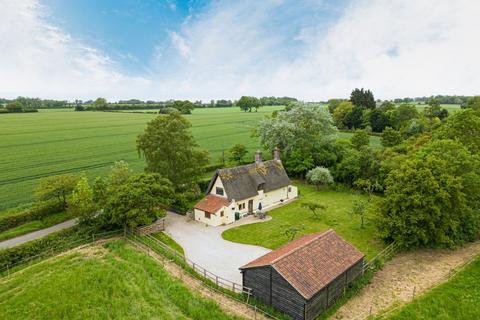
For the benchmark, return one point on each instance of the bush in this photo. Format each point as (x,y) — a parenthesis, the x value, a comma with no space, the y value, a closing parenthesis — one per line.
(37,212)
(203,185)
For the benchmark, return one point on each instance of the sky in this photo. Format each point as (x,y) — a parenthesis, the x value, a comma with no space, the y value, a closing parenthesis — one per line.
(208,49)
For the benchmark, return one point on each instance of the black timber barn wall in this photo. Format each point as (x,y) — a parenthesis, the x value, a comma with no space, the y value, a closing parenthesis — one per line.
(270,287)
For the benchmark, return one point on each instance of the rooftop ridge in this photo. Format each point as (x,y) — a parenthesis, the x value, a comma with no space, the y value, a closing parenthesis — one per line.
(314,238)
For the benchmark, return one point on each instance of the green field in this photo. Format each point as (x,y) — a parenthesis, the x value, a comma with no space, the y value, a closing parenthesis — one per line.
(35,145)
(271,234)
(110,282)
(459,298)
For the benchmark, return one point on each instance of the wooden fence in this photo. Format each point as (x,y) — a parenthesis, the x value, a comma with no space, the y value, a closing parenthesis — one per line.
(384,255)
(219,281)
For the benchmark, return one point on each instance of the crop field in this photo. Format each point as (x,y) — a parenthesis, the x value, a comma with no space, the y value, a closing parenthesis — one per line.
(35,145)
(112,281)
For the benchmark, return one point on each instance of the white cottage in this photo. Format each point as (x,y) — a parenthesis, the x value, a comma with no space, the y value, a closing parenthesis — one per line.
(236,192)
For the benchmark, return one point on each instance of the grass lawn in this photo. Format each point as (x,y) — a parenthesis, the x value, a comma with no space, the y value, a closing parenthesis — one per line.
(459,298)
(110,282)
(36,225)
(271,234)
(162,236)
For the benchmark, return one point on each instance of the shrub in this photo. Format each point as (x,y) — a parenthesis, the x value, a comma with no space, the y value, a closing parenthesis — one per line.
(39,211)
(319,176)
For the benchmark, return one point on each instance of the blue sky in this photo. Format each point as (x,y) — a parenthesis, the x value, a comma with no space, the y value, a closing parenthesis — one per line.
(216,49)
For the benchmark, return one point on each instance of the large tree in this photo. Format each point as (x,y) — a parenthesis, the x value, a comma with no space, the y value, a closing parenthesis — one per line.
(82,203)
(299,129)
(237,153)
(170,150)
(362,98)
(247,103)
(56,187)
(433,198)
(184,106)
(140,200)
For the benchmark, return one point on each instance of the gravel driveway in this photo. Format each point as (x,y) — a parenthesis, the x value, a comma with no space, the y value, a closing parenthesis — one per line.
(206,247)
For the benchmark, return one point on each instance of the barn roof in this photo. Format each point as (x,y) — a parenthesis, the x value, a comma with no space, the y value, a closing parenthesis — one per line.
(212,203)
(311,262)
(242,182)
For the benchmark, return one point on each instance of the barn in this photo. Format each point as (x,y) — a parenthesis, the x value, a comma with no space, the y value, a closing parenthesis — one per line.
(305,276)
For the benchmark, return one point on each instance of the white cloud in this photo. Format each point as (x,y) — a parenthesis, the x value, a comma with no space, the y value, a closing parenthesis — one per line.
(274,47)
(38,59)
(397,48)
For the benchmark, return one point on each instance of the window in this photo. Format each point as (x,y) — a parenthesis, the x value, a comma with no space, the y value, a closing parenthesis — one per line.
(221,213)
(241,206)
(219,191)
(261,186)
(207,215)
(289,189)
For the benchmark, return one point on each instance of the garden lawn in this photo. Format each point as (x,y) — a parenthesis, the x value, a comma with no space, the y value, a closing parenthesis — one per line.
(35,225)
(459,298)
(337,216)
(110,282)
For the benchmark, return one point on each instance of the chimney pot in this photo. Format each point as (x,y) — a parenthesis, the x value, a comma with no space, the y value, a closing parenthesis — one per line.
(258,157)
(276,154)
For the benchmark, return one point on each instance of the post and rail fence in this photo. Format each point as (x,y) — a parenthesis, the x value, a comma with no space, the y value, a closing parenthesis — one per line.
(385,254)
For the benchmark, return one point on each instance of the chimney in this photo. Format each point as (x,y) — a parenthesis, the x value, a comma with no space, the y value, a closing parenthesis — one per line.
(258,157)
(276,154)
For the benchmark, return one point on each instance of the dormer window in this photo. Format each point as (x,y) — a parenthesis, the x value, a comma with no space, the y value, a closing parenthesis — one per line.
(219,191)
(261,186)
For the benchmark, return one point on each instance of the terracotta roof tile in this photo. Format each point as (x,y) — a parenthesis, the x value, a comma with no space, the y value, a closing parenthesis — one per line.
(212,203)
(311,262)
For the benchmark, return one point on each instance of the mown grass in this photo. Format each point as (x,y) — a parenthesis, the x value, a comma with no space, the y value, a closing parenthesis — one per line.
(35,225)
(116,283)
(34,145)
(337,216)
(163,237)
(459,298)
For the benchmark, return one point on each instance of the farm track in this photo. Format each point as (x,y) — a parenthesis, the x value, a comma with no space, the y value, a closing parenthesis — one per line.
(227,304)
(407,275)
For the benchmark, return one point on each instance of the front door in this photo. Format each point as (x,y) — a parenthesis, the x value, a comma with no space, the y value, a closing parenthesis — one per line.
(250,206)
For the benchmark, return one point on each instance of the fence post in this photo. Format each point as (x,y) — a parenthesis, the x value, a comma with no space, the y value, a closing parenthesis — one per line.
(233,287)
(370,312)
(255,314)
(413,295)
(216,280)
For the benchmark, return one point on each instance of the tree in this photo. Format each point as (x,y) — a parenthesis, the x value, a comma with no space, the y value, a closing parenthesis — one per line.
(140,200)
(14,107)
(434,110)
(299,163)
(248,103)
(473,102)
(170,150)
(403,114)
(99,192)
(362,98)
(119,174)
(313,207)
(319,176)
(100,104)
(185,107)
(378,120)
(237,153)
(56,187)
(360,139)
(391,137)
(463,126)
(292,231)
(433,197)
(354,119)
(82,202)
(333,104)
(340,112)
(301,129)
(359,209)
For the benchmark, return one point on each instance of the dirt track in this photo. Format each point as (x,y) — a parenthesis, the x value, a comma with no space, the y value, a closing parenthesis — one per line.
(395,283)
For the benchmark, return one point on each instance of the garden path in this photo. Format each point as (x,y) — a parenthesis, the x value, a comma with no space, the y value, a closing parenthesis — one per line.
(407,275)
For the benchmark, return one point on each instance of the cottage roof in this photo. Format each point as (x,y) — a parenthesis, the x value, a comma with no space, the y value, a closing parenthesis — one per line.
(242,182)
(212,203)
(311,262)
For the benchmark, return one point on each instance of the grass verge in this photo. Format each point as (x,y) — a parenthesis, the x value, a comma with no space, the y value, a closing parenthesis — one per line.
(163,237)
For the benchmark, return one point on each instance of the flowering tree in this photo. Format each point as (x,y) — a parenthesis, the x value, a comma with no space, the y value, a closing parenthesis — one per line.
(319,176)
